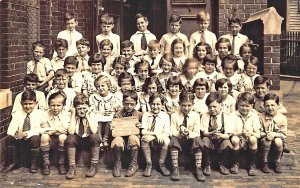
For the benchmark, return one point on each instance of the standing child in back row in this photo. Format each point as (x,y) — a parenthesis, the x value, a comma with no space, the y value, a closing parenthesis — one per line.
(107,24)
(141,38)
(70,34)
(202,35)
(236,38)
(166,40)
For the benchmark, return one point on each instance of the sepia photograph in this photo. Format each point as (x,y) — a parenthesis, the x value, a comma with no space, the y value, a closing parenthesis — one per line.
(149,93)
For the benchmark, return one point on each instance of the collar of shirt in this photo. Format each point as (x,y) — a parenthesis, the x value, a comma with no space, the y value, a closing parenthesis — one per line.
(159,115)
(204,32)
(251,113)
(105,99)
(146,32)
(59,59)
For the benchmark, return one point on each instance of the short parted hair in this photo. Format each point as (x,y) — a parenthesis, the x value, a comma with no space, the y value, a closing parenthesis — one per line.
(200,82)
(31,78)
(141,63)
(175,18)
(210,58)
(106,42)
(125,75)
(234,20)
(246,97)
(38,44)
(132,94)
(185,96)
(223,40)
(61,43)
(81,99)
(126,44)
(61,73)
(245,46)
(196,48)
(174,80)
(203,16)
(105,79)
(152,80)
(121,60)
(220,82)
(57,95)
(271,96)
(212,97)
(167,57)
(177,41)
(106,19)
(155,96)
(96,58)
(71,60)
(253,60)
(153,44)
(84,42)
(187,63)
(140,15)
(262,80)
(69,16)
(28,95)
(230,59)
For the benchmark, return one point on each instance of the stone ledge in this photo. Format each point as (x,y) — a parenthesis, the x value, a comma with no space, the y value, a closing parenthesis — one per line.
(5,98)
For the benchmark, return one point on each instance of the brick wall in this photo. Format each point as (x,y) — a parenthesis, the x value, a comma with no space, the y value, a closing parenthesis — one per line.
(244,9)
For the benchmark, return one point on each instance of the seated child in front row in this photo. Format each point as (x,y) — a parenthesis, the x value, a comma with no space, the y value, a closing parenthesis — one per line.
(82,132)
(104,105)
(24,128)
(185,134)
(273,132)
(30,83)
(216,131)
(54,132)
(246,132)
(132,142)
(155,130)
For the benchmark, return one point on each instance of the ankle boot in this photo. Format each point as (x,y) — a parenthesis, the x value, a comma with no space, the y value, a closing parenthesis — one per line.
(46,162)
(133,166)
(235,166)
(265,167)
(61,160)
(118,164)
(147,154)
(222,157)
(71,172)
(10,159)
(174,158)
(277,157)
(286,149)
(162,158)
(252,168)
(198,161)
(207,167)
(72,164)
(34,160)
(92,170)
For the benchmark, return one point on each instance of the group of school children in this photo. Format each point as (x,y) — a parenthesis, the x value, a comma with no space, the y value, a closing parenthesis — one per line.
(201,95)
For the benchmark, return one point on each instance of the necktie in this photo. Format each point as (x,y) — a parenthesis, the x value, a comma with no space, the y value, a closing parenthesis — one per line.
(202,37)
(233,46)
(81,127)
(26,124)
(153,123)
(83,66)
(70,39)
(152,62)
(214,123)
(70,82)
(143,42)
(184,123)
(35,71)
